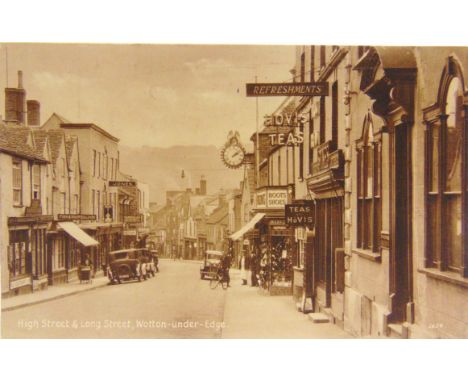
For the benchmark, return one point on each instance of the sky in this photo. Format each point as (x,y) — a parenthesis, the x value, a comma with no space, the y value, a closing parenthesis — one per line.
(153,95)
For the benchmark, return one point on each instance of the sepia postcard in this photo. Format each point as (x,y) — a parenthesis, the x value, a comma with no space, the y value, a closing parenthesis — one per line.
(233,191)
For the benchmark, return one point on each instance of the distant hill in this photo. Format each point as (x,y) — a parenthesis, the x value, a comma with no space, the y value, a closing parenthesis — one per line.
(161,168)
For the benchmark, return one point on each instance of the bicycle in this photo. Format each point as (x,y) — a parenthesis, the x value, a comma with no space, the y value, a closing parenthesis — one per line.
(219,279)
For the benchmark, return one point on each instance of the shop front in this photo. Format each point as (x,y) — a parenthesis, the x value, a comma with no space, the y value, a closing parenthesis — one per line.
(300,216)
(275,244)
(27,253)
(327,186)
(75,247)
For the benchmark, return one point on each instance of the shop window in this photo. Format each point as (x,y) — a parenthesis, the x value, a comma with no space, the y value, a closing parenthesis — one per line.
(17,183)
(446,154)
(17,253)
(369,188)
(36,170)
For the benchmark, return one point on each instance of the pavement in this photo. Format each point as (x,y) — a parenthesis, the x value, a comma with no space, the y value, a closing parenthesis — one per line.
(52,293)
(251,315)
(174,304)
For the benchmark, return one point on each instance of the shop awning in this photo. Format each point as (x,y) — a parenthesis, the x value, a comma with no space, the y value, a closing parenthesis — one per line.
(250,225)
(78,234)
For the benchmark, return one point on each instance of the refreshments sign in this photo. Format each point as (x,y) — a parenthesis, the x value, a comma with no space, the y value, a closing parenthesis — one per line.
(300,214)
(301,89)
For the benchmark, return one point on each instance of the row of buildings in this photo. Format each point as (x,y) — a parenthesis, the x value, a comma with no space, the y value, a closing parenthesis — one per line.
(63,197)
(193,220)
(365,192)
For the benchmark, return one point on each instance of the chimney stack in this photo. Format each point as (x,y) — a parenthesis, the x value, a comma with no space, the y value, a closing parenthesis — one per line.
(34,112)
(20,79)
(202,185)
(15,101)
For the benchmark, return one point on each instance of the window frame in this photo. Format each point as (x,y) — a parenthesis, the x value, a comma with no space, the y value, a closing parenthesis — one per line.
(437,198)
(369,202)
(17,188)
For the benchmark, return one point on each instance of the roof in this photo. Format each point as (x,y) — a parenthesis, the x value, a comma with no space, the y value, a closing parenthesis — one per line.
(14,141)
(96,128)
(56,139)
(40,140)
(218,214)
(54,122)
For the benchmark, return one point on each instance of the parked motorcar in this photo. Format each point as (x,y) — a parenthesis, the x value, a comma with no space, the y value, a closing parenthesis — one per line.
(148,262)
(211,263)
(125,265)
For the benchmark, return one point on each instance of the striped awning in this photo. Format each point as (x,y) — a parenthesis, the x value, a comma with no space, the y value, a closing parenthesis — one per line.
(250,225)
(78,234)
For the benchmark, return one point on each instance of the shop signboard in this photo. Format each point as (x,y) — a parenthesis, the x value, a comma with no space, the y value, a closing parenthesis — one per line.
(277,198)
(122,183)
(301,89)
(300,214)
(271,198)
(68,217)
(261,199)
(133,219)
(30,219)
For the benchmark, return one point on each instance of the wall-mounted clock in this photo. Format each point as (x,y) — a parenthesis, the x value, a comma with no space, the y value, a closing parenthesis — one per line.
(233,153)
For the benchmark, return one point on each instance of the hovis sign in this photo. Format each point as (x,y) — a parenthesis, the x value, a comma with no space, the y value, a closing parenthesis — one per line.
(300,214)
(301,89)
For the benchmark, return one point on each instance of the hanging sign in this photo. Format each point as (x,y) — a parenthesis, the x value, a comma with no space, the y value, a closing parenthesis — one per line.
(300,214)
(301,89)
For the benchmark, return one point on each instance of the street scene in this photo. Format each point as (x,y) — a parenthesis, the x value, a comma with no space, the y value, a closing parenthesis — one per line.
(221,192)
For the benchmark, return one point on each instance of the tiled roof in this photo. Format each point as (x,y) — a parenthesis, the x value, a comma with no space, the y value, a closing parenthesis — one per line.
(14,141)
(56,139)
(218,214)
(40,140)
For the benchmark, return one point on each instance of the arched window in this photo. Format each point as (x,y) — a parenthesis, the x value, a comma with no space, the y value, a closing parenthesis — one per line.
(369,188)
(446,195)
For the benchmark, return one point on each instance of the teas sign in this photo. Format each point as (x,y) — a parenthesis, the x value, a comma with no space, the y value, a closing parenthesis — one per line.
(300,214)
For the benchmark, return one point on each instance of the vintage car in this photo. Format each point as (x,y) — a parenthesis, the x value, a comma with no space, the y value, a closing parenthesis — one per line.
(126,265)
(211,262)
(149,261)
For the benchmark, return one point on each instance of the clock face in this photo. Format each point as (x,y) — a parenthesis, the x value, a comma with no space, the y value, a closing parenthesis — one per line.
(233,155)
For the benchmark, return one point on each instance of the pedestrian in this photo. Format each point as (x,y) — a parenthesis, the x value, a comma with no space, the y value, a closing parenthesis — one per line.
(243,269)
(254,269)
(225,264)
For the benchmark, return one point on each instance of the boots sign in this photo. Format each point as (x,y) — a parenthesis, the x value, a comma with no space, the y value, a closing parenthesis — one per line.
(300,214)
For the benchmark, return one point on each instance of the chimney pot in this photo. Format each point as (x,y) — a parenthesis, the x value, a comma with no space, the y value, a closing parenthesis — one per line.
(20,79)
